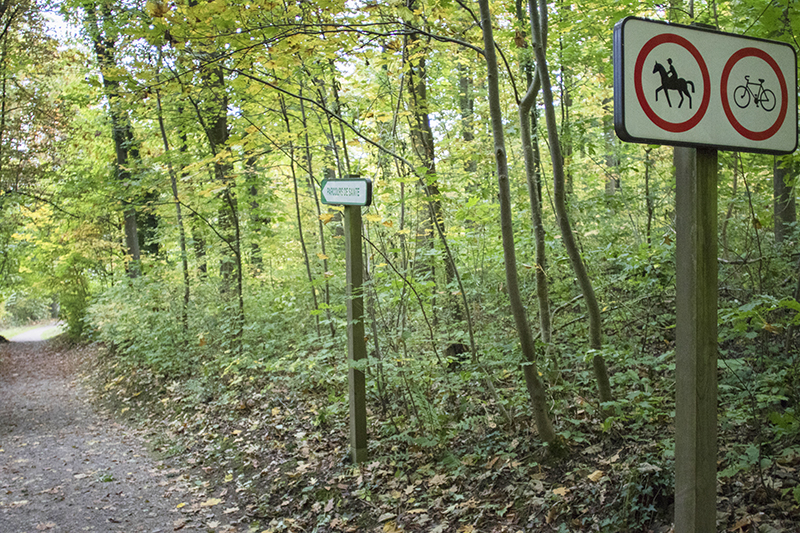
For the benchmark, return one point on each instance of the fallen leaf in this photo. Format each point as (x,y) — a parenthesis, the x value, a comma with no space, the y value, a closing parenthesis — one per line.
(561,491)
(390,527)
(596,476)
(438,479)
(386,516)
(211,502)
(230,510)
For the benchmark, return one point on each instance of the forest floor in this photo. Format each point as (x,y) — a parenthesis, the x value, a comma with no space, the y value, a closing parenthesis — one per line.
(65,466)
(86,445)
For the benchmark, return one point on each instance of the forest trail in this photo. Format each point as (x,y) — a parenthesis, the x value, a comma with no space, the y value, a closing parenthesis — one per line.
(65,467)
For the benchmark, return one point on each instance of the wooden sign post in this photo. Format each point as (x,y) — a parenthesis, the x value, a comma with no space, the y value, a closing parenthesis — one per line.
(696,89)
(356,345)
(353,193)
(696,341)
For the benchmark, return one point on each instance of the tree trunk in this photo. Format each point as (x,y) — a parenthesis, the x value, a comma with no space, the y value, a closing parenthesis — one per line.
(415,51)
(178,217)
(531,155)
(534,385)
(312,185)
(299,218)
(559,198)
(785,212)
(122,131)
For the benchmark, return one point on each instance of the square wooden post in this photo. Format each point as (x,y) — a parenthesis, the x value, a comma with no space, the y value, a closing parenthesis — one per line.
(696,341)
(356,345)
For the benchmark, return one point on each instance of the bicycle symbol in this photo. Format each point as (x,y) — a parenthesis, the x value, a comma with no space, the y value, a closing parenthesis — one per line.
(743,94)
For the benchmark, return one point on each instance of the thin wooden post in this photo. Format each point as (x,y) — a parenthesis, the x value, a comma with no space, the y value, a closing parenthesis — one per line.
(696,345)
(356,345)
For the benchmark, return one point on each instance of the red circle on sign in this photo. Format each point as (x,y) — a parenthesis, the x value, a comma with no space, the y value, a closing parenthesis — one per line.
(674,127)
(723,86)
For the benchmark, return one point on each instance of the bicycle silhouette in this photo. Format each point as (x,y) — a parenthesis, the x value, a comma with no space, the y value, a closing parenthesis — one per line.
(743,94)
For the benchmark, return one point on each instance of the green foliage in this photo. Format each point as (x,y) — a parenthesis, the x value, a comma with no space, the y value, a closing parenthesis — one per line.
(25,308)
(285,88)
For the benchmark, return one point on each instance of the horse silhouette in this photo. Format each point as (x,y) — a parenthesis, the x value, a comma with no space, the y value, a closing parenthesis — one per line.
(673,84)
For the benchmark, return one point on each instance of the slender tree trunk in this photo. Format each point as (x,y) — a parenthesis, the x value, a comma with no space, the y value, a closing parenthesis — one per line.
(312,185)
(729,213)
(255,219)
(531,155)
(612,158)
(415,52)
(303,246)
(122,131)
(559,198)
(178,217)
(534,385)
(212,113)
(785,212)
(466,105)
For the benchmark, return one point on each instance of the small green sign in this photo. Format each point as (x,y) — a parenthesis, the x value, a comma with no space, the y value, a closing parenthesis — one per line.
(349,191)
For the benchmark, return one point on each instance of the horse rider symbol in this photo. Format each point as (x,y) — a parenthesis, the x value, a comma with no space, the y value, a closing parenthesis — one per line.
(671,82)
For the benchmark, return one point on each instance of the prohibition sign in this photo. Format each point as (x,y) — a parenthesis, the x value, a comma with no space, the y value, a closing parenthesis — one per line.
(674,127)
(745,132)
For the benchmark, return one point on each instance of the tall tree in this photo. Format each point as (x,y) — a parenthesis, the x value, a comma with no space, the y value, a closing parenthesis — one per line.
(535,386)
(102,26)
(538,17)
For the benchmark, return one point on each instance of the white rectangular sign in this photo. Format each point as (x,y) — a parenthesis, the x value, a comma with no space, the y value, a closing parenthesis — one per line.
(348,191)
(690,86)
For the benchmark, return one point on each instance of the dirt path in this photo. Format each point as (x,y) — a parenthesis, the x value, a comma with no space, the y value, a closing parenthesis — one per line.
(64,467)
(38,334)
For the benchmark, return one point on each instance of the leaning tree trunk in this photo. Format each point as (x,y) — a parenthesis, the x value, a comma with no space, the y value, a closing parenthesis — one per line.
(531,155)
(559,197)
(534,385)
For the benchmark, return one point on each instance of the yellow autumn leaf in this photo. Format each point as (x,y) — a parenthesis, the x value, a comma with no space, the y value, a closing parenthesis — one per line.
(326,217)
(390,527)
(322,256)
(372,217)
(561,491)
(211,502)
(596,476)
(182,504)
(388,223)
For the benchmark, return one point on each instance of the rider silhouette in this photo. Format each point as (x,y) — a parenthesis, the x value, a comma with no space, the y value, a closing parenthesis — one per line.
(672,73)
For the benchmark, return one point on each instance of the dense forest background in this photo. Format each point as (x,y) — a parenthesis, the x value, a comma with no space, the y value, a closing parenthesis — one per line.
(160,165)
